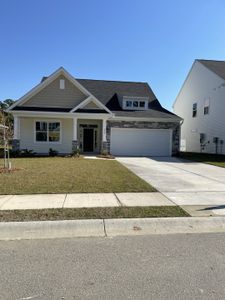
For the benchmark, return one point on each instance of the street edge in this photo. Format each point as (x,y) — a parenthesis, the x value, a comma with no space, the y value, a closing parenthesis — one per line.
(109,227)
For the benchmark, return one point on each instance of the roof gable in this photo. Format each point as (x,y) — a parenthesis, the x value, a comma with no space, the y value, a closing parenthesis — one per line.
(91,104)
(46,82)
(52,96)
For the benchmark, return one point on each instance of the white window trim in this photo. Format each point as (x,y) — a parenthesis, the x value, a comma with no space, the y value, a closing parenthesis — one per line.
(132,107)
(47,142)
(206,105)
(195,110)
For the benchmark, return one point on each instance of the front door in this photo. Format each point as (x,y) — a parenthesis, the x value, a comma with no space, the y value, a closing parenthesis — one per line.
(88,140)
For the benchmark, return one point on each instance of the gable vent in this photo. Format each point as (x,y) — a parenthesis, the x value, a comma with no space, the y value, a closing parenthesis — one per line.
(62,84)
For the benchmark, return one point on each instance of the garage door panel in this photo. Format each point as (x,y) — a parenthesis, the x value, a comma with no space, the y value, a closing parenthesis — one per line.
(141,142)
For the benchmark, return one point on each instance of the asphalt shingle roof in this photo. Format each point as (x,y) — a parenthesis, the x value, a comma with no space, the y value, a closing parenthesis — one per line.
(217,66)
(104,90)
(108,93)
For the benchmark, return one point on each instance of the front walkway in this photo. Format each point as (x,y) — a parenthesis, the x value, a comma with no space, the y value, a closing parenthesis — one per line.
(41,201)
(198,188)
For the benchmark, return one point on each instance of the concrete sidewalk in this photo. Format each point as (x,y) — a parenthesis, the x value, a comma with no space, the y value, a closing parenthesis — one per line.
(41,201)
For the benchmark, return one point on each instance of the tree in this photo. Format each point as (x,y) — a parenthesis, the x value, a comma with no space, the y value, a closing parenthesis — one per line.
(6,118)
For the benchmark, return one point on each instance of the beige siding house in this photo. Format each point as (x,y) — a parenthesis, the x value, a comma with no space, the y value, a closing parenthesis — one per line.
(66,114)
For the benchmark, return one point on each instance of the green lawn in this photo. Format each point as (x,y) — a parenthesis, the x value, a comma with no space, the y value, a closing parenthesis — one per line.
(91,213)
(69,175)
(212,159)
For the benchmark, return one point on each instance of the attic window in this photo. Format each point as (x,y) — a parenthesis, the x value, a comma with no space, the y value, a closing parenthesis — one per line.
(62,84)
(135,104)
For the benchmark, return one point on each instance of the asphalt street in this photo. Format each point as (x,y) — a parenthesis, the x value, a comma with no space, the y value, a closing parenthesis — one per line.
(181,266)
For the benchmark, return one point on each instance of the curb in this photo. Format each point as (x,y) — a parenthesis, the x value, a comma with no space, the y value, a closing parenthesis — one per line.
(51,229)
(109,227)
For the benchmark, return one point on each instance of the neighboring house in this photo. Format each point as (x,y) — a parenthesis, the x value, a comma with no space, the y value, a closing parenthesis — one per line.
(123,118)
(201,104)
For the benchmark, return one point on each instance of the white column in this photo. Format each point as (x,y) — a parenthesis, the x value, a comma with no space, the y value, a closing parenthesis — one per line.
(104,130)
(74,129)
(16,133)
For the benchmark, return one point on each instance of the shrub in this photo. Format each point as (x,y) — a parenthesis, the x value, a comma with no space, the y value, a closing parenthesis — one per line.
(18,153)
(52,152)
(76,152)
(25,153)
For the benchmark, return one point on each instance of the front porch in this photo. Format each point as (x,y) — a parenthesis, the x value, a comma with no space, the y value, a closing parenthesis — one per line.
(83,133)
(89,135)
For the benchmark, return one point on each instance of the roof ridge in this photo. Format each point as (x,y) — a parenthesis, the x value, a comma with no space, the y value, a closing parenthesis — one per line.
(122,81)
(213,60)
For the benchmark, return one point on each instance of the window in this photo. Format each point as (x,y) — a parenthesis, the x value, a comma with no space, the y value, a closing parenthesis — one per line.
(41,132)
(47,131)
(194,110)
(62,84)
(206,107)
(128,103)
(135,104)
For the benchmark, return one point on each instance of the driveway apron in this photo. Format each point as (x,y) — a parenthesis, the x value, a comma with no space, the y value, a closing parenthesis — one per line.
(188,184)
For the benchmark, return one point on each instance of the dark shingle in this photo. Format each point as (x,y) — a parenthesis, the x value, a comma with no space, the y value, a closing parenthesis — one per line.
(107,92)
(217,66)
(104,90)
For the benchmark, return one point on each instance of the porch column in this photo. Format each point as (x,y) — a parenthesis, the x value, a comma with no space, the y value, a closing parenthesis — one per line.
(74,141)
(104,130)
(16,134)
(16,128)
(104,140)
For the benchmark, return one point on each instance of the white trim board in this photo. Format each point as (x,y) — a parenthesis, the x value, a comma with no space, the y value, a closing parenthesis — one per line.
(87,101)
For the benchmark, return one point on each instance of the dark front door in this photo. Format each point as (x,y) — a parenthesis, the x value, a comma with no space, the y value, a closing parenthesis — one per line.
(88,139)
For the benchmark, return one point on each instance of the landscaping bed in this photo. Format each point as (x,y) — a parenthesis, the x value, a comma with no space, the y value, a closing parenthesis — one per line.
(212,159)
(91,213)
(43,175)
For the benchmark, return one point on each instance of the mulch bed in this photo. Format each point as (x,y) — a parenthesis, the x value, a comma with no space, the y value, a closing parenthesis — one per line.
(5,170)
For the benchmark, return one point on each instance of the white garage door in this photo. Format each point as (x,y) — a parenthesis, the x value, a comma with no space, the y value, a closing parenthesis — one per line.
(141,142)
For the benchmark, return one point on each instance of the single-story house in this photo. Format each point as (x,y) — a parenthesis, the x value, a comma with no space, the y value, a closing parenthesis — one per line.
(122,118)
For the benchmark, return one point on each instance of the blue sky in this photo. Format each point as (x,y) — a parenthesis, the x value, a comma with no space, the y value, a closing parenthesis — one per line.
(133,40)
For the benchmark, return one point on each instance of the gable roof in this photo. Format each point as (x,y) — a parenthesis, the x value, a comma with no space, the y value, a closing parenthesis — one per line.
(105,92)
(216,66)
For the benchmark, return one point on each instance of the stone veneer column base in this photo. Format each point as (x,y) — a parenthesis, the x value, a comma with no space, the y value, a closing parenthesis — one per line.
(105,147)
(74,145)
(15,145)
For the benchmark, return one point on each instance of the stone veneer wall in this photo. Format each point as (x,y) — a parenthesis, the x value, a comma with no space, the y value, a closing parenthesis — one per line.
(15,145)
(151,125)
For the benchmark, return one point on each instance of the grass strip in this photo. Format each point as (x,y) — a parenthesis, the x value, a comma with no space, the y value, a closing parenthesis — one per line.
(91,213)
(211,159)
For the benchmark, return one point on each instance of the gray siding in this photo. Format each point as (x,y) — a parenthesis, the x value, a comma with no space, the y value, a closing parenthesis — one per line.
(53,96)
(91,105)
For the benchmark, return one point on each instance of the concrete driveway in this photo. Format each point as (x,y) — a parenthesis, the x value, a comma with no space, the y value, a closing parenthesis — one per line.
(197,187)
